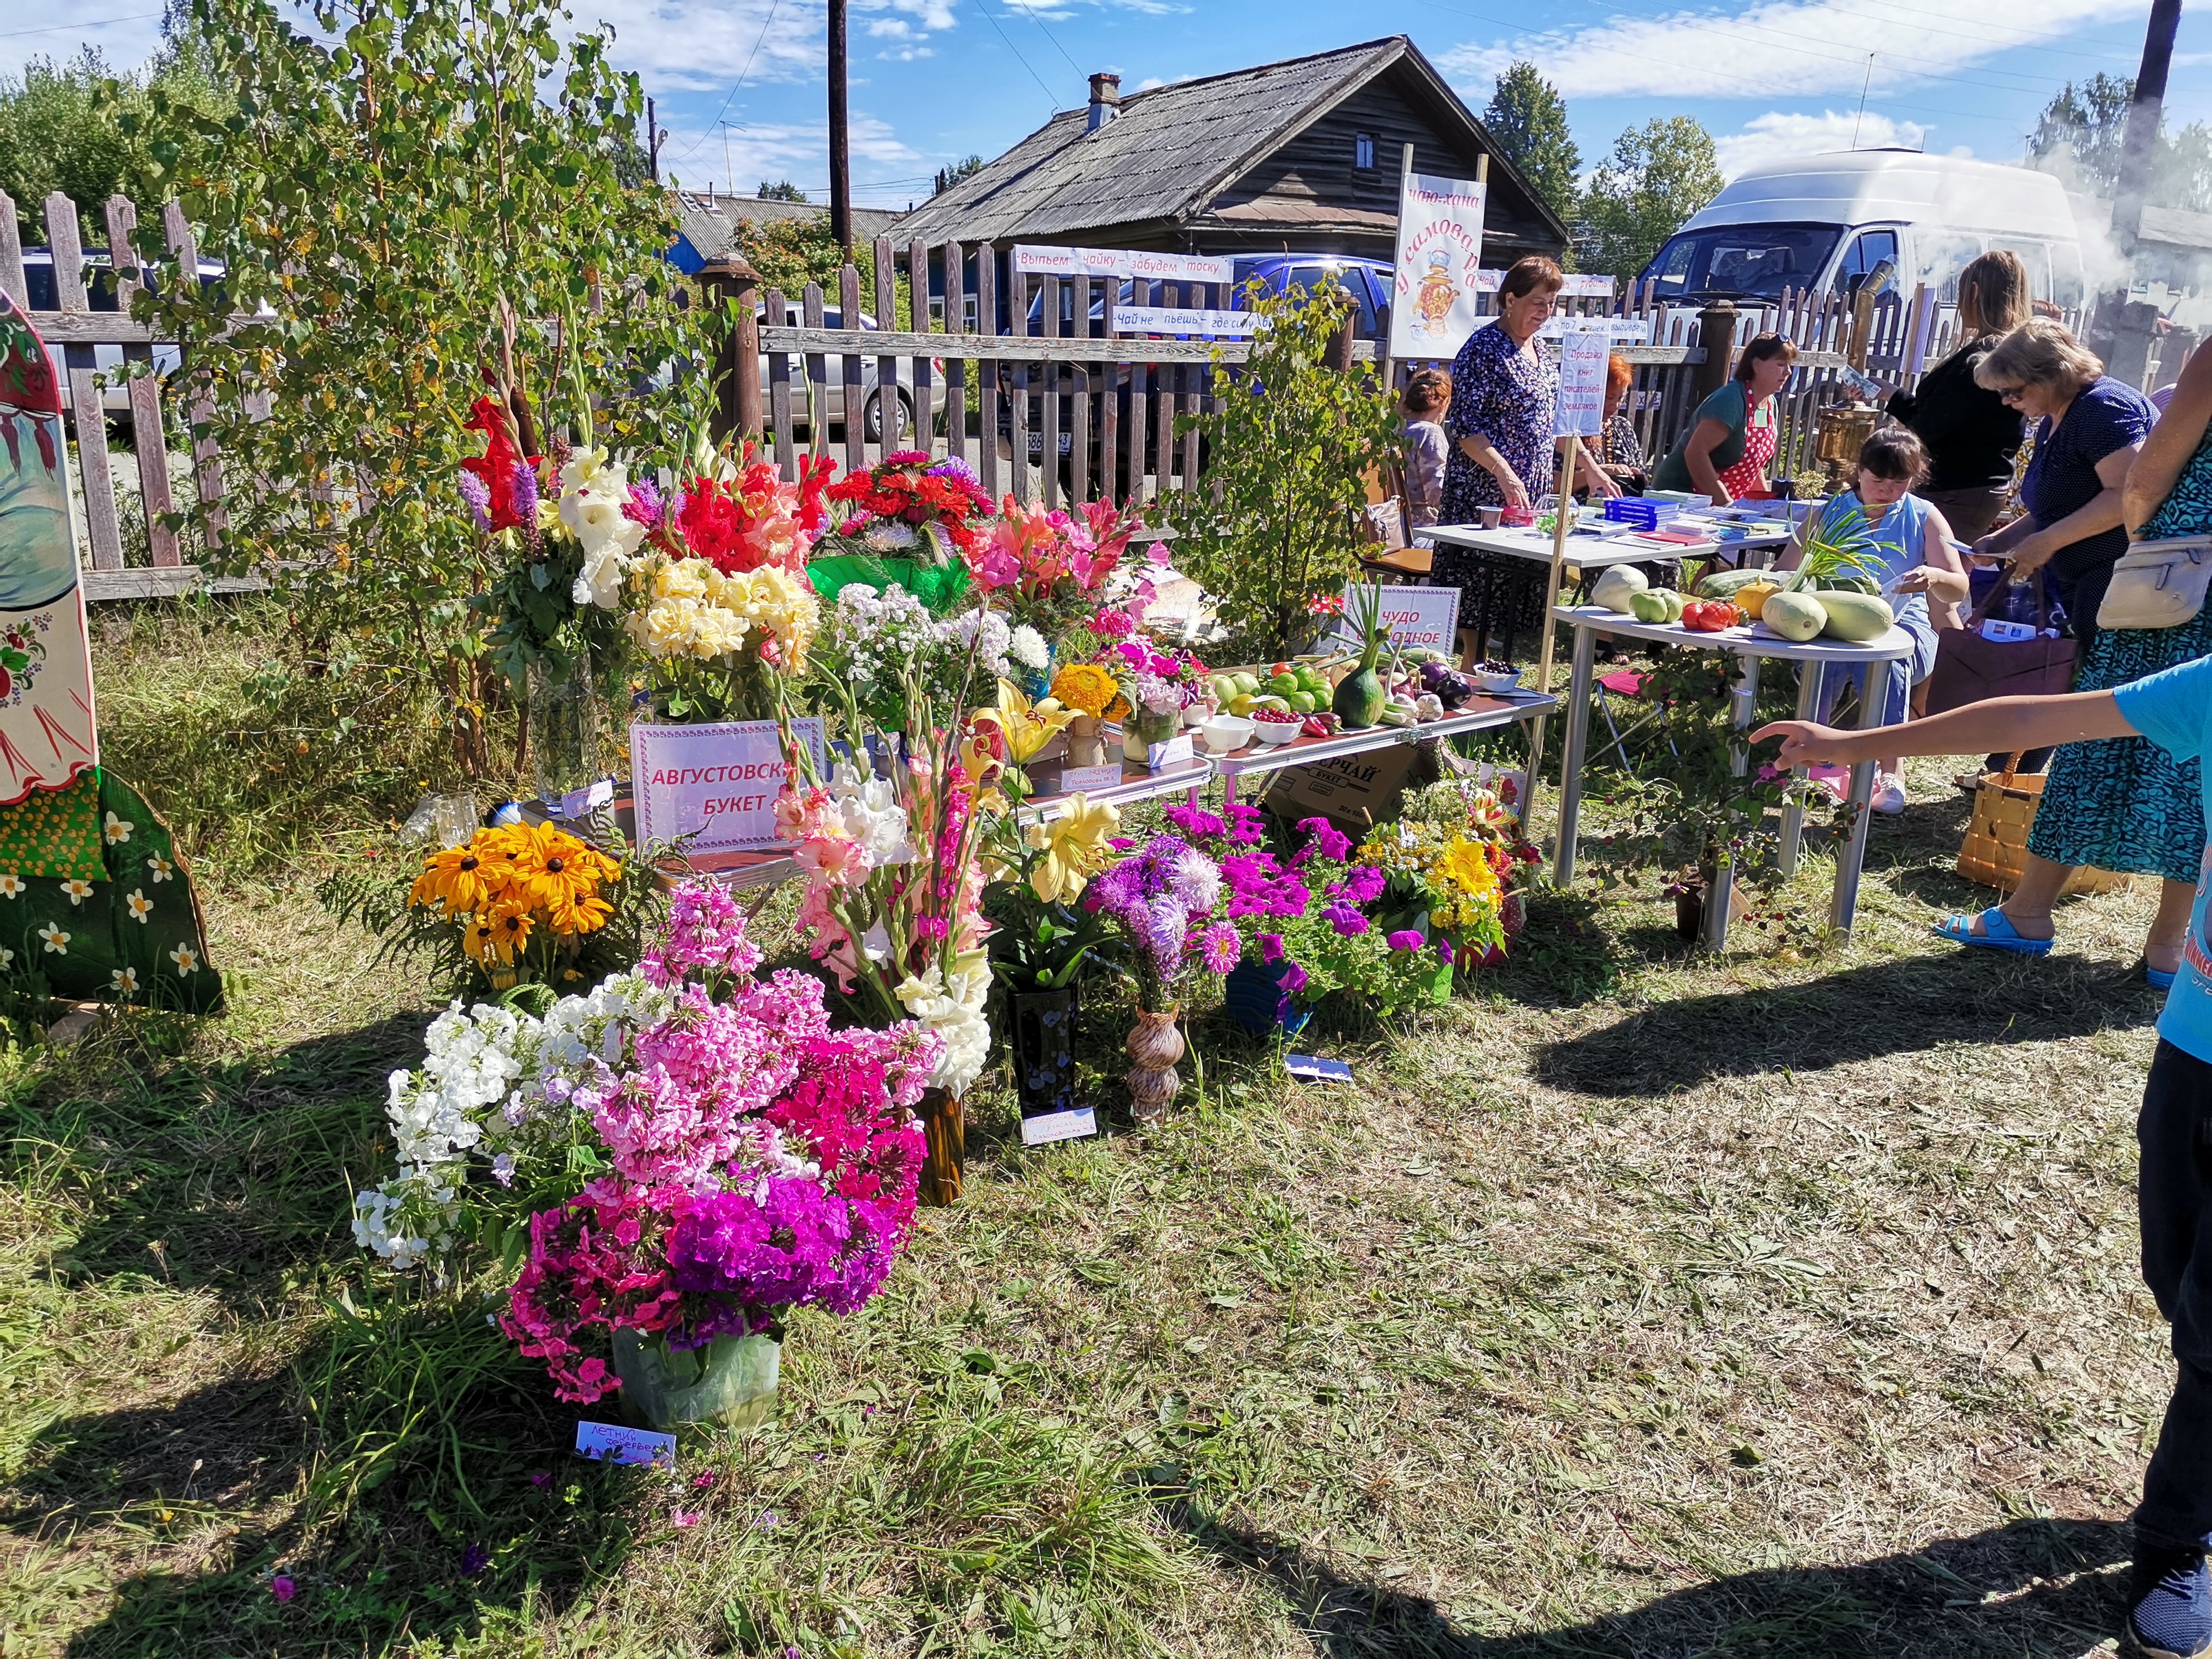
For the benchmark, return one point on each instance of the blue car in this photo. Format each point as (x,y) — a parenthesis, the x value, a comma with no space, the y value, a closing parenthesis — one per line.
(1367,281)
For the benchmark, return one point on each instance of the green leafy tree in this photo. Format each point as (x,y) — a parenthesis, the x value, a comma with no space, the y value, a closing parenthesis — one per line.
(785,191)
(789,253)
(2082,131)
(948,176)
(1657,176)
(417,197)
(1292,443)
(1528,118)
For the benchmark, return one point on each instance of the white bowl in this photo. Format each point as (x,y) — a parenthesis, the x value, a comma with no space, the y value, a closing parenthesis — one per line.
(1226,733)
(1497,682)
(1272,734)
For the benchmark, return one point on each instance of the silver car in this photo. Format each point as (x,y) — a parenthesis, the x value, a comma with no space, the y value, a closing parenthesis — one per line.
(872,404)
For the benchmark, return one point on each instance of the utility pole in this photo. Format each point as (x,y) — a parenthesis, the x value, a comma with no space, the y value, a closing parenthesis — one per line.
(841,160)
(653,141)
(2125,331)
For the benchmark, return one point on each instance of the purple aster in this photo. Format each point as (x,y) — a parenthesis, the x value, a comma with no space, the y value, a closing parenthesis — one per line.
(1271,948)
(1347,922)
(956,468)
(477,494)
(1406,939)
(1219,948)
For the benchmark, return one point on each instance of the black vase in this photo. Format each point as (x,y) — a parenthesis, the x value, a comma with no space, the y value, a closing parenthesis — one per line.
(1043,1043)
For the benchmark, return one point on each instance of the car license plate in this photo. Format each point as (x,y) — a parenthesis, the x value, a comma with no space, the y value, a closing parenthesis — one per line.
(1066,443)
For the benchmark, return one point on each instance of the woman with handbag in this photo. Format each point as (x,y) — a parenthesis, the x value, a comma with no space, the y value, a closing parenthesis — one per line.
(2122,804)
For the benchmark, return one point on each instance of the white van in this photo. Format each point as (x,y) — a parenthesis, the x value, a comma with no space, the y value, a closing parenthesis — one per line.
(1895,218)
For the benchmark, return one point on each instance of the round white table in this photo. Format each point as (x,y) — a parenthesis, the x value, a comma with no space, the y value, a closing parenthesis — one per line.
(1752,646)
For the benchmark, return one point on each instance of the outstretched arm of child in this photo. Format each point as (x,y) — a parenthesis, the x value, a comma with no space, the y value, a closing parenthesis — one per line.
(1996,727)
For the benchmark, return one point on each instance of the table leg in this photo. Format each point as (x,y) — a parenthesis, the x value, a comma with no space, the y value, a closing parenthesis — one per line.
(1809,677)
(1571,763)
(1844,907)
(1720,894)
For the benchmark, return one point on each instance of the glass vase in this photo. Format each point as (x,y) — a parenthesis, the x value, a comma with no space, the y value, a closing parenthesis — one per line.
(730,1382)
(564,712)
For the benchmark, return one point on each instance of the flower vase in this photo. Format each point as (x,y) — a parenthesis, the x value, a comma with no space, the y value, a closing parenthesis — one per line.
(1037,682)
(730,1382)
(563,716)
(1086,747)
(1253,996)
(1154,1047)
(1135,749)
(1042,1039)
(947,1132)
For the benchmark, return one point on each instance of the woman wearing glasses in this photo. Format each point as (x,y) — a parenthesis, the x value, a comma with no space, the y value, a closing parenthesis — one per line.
(2119,804)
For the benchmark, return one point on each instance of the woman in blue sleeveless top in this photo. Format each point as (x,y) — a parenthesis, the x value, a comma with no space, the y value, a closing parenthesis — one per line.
(1903,543)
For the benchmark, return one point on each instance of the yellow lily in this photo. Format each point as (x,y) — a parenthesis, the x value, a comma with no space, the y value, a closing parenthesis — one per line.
(1075,848)
(1025,727)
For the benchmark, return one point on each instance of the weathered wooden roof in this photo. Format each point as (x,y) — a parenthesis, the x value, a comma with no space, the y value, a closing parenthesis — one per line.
(706,222)
(1170,151)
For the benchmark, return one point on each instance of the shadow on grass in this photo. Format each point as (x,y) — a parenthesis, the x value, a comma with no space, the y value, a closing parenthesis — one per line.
(226,1178)
(1904,1007)
(2029,1587)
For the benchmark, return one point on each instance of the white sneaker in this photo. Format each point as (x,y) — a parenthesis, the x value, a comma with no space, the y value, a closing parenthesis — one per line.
(1888,794)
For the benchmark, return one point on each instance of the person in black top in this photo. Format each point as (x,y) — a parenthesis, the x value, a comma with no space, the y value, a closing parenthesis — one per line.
(1970,431)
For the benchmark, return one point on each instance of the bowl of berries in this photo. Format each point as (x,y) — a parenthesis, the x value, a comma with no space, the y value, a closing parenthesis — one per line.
(1274,726)
(1495,676)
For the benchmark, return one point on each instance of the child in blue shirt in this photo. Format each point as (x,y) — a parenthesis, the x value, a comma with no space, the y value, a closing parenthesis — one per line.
(1905,545)
(2170,1596)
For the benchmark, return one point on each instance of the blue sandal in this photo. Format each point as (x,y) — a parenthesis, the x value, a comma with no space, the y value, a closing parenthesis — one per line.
(1997,934)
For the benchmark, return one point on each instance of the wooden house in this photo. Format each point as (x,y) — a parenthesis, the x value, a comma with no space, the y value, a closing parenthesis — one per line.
(1300,156)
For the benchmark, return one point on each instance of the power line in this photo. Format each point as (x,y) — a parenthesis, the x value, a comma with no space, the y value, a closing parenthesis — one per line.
(742,73)
(63,28)
(1037,17)
(1017,51)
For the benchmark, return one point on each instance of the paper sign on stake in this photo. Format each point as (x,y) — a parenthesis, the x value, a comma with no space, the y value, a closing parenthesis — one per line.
(720,781)
(610,1442)
(1424,617)
(1439,249)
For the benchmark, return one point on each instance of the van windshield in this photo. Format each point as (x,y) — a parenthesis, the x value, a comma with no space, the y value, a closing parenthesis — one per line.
(1740,260)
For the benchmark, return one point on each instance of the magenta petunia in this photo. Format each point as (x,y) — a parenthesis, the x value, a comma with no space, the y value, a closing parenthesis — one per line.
(1406,939)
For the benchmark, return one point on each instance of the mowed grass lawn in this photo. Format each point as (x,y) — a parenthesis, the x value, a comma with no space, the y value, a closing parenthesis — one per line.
(1643,1303)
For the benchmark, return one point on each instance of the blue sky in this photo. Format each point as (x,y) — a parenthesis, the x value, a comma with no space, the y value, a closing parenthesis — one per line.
(740,89)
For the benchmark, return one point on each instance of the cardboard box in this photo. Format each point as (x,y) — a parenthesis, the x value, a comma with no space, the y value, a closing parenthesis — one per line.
(1353,791)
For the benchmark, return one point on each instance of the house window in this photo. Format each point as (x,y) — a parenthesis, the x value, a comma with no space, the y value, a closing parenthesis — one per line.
(1362,151)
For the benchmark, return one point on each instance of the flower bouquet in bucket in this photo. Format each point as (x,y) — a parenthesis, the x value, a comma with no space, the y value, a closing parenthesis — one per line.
(676,1162)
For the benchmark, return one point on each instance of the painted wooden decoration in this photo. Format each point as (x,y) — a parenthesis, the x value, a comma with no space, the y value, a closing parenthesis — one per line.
(47,732)
(95,901)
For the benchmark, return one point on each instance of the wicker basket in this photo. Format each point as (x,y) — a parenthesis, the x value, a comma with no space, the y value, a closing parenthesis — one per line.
(1995,851)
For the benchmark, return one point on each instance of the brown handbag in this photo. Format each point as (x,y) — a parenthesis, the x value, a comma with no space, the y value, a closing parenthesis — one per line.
(1970,669)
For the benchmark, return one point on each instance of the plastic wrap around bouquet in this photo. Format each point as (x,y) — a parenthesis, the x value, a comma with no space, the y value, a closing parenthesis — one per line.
(743,1160)
(911,520)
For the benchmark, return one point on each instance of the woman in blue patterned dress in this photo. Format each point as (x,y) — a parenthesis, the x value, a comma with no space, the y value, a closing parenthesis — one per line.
(1503,390)
(2125,803)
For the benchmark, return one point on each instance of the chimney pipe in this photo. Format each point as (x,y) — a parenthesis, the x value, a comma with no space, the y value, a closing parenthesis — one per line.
(1105,100)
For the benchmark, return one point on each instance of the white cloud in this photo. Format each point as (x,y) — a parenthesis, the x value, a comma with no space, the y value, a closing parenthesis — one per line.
(1775,49)
(1777,135)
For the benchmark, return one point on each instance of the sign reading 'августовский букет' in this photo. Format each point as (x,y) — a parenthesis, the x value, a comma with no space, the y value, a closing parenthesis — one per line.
(716,783)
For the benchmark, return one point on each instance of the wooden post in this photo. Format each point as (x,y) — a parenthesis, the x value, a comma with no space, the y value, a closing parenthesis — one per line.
(1563,518)
(1716,334)
(841,160)
(1862,328)
(731,284)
